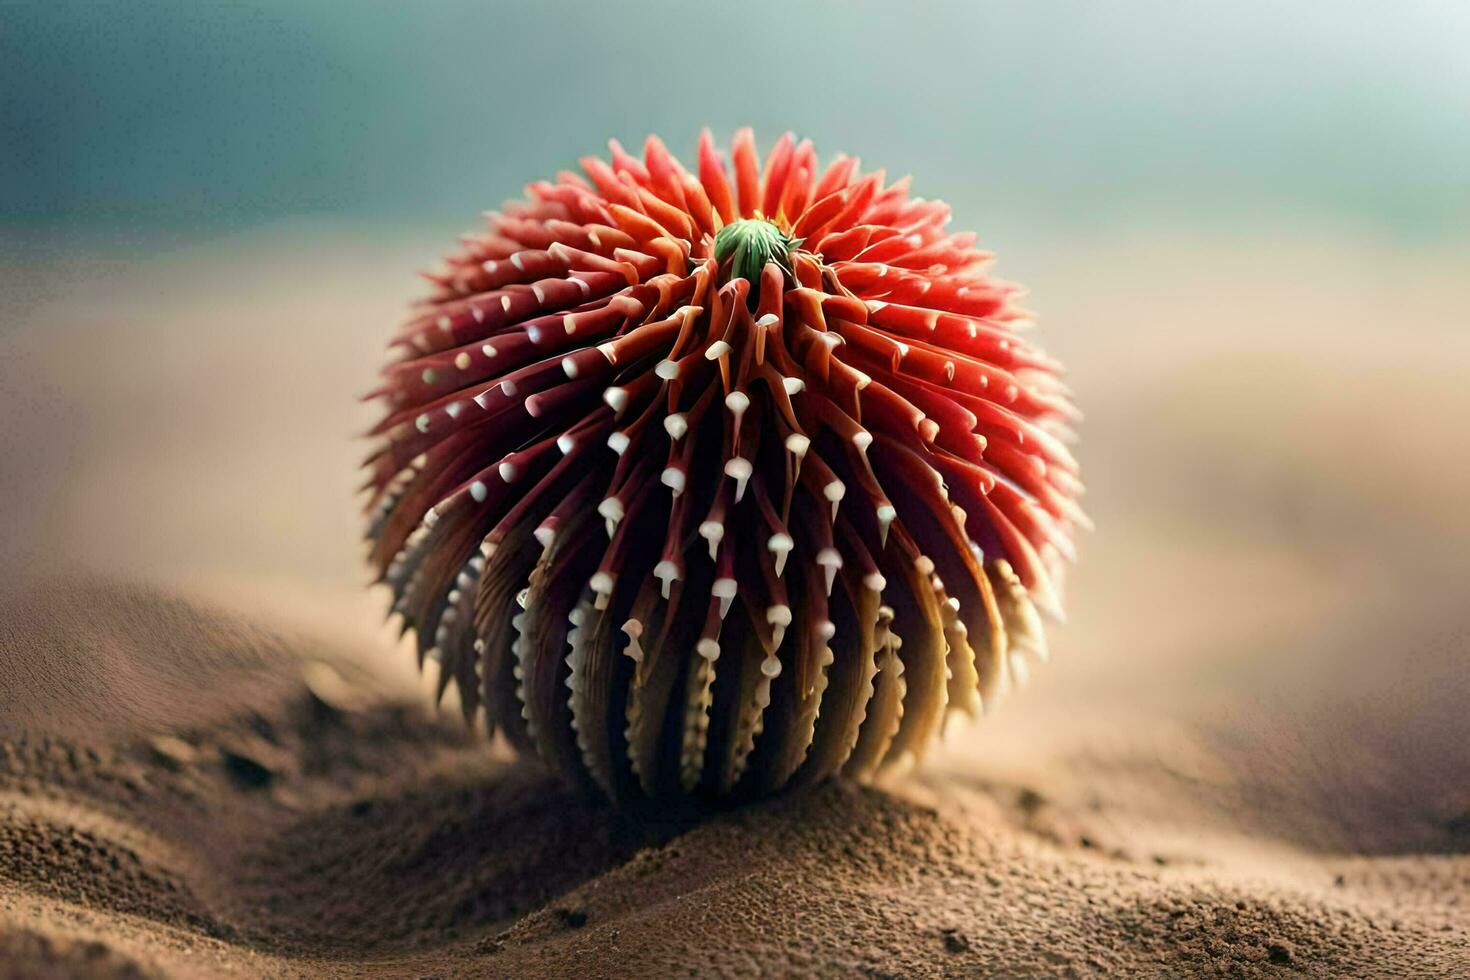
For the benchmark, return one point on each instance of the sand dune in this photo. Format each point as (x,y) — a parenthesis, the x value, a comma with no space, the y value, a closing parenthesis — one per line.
(1249,756)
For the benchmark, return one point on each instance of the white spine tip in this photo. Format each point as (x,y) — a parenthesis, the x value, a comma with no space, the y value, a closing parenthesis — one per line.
(716,350)
(708,649)
(569,367)
(676,425)
(724,589)
(479,492)
(509,471)
(793,386)
(618,442)
(769,320)
(673,478)
(667,370)
(667,573)
(739,469)
(830,561)
(616,398)
(713,532)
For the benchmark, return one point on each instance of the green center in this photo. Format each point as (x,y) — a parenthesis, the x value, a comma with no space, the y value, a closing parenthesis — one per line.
(749,244)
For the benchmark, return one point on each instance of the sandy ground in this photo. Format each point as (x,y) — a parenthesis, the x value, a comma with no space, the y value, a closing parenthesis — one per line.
(1250,754)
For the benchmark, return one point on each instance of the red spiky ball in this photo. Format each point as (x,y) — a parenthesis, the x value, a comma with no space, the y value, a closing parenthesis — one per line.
(711,482)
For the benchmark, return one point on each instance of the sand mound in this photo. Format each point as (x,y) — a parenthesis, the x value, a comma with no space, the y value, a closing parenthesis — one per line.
(265,824)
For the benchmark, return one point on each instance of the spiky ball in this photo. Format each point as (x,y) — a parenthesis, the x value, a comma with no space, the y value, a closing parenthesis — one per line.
(705,483)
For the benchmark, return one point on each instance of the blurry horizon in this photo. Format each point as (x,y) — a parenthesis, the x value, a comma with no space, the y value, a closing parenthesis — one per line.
(177,118)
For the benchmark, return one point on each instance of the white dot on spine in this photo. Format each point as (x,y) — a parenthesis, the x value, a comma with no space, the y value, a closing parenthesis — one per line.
(886,514)
(780,544)
(676,425)
(539,293)
(737,402)
(489,350)
(509,387)
(429,376)
(446,324)
(667,573)
(453,409)
(739,469)
(422,423)
(569,367)
(875,581)
(462,361)
(834,492)
(479,492)
(713,532)
(830,561)
(724,589)
(708,649)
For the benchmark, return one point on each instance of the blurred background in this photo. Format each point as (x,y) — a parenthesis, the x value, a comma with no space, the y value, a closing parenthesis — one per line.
(1245,227)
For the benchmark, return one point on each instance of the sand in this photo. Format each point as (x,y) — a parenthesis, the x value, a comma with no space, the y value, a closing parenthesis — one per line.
(1249,756)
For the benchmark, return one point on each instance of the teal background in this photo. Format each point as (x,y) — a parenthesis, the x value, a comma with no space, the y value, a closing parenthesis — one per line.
(198,116)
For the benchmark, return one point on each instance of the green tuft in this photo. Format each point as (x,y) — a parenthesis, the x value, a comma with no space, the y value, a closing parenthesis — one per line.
(750,243)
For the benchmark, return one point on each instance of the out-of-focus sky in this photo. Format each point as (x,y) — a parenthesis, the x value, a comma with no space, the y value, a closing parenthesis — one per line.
(200,115)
